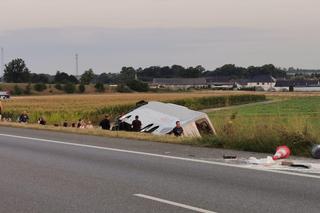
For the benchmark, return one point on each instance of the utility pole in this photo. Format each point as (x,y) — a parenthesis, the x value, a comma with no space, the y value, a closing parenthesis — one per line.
(2,63)
(77,64)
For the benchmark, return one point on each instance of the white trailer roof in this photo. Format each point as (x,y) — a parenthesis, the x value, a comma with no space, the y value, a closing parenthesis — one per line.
(165,115)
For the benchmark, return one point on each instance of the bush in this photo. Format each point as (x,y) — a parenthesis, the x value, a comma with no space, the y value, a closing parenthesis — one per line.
(27,90)
(99,87)
(218,101)
(58,86)
(17,90)
(123,88)
(138,86)
(69,88)
(39,87)
(82,88)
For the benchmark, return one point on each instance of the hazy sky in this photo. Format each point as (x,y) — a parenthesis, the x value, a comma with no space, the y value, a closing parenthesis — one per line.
(109,34)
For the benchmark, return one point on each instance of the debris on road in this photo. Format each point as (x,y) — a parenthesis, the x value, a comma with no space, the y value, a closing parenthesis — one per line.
(282,152)
(316,151)
(229,157)
(263,161)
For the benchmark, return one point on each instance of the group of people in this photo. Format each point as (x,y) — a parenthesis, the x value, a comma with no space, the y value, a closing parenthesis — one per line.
(120,125)
(81,124)
(105,124)
(135,126)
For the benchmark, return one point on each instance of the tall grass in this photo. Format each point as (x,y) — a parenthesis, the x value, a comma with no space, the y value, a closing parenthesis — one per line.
(57,116)
(262,128)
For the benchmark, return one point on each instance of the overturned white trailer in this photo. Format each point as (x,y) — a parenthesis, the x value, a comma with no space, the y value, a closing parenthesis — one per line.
(160,118)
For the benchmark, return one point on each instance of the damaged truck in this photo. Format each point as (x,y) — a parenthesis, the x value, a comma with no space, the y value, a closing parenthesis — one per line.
(160,118)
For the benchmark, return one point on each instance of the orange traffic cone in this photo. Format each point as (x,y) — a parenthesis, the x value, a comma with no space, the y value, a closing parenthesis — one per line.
(281,153)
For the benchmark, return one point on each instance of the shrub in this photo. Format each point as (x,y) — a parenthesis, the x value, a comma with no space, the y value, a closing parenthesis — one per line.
(39,87)
(69,88)
(99,87)
(82,88)
(58,86)
(218,101)
(123,88)
(138,86)
(17,90)
(27,90)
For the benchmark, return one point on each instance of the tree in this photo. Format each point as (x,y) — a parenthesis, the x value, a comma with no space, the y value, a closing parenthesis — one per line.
(82,88)
(99,87)
(87,77)
(58,86)
(17,90)
(27,90)
(69,88)
(127,74)
(39,78)
(16,71)
(138,86)
(64,78)
(39,87)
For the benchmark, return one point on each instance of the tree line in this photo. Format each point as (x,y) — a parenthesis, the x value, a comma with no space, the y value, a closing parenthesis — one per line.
(130,78)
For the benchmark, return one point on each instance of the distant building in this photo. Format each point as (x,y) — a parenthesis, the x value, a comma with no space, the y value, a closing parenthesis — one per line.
(222,82)
(298,85)
(265,82)
(179,83)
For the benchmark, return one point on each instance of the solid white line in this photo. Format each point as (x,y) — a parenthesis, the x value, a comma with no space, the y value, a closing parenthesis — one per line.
(161,156)
(174,203)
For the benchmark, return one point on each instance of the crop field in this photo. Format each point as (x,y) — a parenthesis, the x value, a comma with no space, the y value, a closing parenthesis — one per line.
(295,120)
(57,108)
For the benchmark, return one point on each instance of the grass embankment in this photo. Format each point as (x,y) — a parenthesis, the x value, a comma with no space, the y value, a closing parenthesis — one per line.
(100,132)
(261,128)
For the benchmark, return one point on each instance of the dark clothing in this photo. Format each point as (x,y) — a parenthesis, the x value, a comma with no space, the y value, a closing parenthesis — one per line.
(105,124)
(177,131)
(65,124)
(42,122)
(136,125)
(23,118)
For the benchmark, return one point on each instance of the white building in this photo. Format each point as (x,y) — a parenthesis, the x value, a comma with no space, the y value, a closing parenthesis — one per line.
(266,82)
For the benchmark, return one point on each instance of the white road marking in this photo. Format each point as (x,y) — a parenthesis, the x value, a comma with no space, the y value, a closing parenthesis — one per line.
(162,156)
(174,203)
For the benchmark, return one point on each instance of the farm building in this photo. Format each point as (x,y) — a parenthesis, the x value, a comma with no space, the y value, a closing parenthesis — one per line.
(266,82)
(179,83)
(298,85)
(222,82)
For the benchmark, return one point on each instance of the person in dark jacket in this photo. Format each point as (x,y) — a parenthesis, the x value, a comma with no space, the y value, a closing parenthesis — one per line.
(177,130)
(136,124)
(24,118)
(105,123)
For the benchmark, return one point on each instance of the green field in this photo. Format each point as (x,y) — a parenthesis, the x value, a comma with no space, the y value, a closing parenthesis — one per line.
(295,122)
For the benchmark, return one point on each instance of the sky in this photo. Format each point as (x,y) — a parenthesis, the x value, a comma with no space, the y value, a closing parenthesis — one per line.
(109,34)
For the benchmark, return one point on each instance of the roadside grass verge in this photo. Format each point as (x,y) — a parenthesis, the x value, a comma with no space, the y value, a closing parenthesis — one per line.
(261,128)
(104,133)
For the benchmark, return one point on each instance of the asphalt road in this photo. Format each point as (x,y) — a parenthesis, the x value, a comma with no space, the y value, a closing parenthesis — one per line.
(49,172)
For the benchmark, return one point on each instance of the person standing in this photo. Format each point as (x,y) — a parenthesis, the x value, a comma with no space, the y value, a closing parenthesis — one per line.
(177,130)
(1,110)
(105,123)
(136,124)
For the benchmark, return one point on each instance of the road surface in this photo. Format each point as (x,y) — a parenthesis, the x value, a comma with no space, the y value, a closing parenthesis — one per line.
(56,172)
